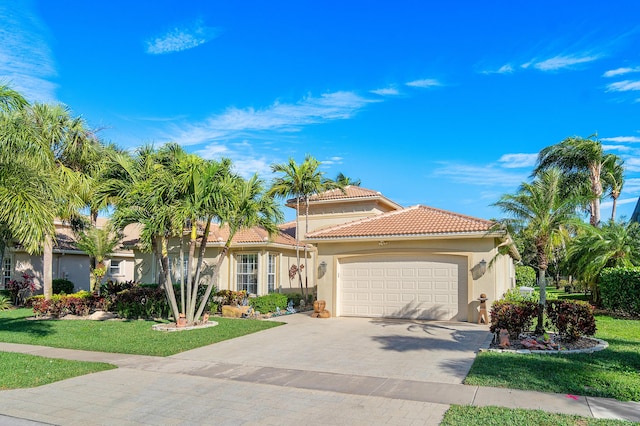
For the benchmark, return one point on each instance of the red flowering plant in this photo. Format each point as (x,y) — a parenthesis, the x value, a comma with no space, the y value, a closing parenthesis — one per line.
(20,291)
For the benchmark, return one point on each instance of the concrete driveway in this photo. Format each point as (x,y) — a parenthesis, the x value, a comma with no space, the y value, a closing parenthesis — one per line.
(433,351)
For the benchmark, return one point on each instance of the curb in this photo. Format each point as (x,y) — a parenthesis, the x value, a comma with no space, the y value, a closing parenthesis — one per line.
(599,347)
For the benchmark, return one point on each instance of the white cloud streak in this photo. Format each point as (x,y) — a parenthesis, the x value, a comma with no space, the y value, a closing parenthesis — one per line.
(622,148)
(624,86)
(620,71)
(561,62)
(279,117)
(179,39)
(514,161)
(26,61)
(489,175)
(632,185)
(388,91)
(622,139)
(424,83)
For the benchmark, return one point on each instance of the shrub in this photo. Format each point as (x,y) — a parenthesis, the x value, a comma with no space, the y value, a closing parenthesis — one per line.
(269,302)
(5,303)
(514,295)
(80,303)
(60,285)
(620,290)
(525,276)
(141,302)
(573,319)
(230,297)
(516,317)
(20,291)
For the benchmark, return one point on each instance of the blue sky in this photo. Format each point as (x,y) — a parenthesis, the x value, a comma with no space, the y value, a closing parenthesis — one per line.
(436,103)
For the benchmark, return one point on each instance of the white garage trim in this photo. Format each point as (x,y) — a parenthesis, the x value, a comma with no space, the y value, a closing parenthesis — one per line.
(403,286)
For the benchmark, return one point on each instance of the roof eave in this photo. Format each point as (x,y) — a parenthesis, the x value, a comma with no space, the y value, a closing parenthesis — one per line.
(404,237)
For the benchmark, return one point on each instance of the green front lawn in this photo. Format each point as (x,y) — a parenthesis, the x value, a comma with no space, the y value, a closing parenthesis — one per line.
(483,416)
(28,371)
(130,337)
(611,373)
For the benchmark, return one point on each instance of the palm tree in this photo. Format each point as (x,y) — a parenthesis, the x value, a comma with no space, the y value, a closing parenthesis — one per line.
(544,216)
(611,245)
(300,182)
(576,156)
(613,178)
(343,180)
(98,243)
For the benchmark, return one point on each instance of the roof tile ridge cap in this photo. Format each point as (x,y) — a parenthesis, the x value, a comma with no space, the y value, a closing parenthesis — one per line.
(356,222)
(464,216)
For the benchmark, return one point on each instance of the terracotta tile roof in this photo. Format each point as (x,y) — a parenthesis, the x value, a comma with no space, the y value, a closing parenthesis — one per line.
(349,192)
(412,221)
(255,235)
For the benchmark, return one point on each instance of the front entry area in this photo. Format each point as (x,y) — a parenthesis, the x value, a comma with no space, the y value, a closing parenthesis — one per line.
(393,286)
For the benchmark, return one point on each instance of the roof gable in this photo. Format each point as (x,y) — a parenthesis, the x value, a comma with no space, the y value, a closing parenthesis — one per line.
(349,193)
(254,235)
(413,221)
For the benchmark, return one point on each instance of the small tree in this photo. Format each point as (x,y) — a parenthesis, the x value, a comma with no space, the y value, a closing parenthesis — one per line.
(98,243)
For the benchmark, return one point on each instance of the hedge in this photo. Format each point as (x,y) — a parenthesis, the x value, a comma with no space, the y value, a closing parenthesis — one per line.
(620,290)
(525,276)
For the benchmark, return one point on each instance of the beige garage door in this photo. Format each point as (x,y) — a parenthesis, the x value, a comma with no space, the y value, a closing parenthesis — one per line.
(402,287)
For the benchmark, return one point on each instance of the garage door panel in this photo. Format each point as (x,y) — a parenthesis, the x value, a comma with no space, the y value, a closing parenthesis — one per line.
(424,287)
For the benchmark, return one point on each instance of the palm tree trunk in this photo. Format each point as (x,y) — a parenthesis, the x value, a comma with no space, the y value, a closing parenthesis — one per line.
(192,287)
(168,285)
(203,248)
(306,231)
(613,209)
(47,267)
(298,243)
(214,277)
(542,303)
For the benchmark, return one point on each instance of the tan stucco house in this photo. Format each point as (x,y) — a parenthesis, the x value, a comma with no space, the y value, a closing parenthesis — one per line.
(367,256)
(68,262)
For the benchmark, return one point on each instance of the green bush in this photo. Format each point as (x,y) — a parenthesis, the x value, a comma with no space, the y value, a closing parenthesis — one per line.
(514,295)
(5,303)
(516,317)
(80,303)
(141,302)
(230,297)
(620,290)
(60,286)
(525,276)
(269,302)
(573,319)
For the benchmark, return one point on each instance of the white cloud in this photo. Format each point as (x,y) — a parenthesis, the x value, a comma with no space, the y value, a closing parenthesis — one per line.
(620,71)
(424,83)
(179,39)
(632,164)
(560,62)
(26,61)
(514,161)
(622,139)
(505,69)
(332,160)
(387,91)
(620,202)
(279,117)
(488,175)
(245,161)
(616,147)
(623,86)
(632,185)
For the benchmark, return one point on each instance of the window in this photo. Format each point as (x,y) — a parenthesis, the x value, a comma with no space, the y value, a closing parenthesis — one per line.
(271,273)
(114,267)
(175,274)
(6,271)
(247,275)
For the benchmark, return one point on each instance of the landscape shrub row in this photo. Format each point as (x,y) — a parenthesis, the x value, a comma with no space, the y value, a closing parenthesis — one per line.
(620,290)
(80,303)
(572,319)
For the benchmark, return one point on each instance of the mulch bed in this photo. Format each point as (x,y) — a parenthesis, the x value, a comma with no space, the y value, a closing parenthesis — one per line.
(532,342)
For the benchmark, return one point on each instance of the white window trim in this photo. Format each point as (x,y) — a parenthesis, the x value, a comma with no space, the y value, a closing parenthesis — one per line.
(119,263)
(255,272)
(272,268)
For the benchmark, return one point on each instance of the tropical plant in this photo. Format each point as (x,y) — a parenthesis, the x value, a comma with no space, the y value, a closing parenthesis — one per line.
(300,181)
(5,303)
(582,160)
(612,245)
(343,180)
(613,178)
(539,210)
(99,244)
(175,194)
(525,276)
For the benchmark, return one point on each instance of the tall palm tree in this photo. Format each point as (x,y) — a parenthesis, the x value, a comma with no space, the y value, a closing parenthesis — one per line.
(541,213)
(579,156)
(597,248)
(300,182)
(613,178)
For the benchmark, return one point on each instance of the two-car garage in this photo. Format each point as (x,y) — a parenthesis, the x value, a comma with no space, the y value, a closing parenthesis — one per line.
(408,286)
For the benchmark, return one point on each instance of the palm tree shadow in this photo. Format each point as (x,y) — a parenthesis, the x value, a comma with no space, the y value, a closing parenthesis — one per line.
(36,328)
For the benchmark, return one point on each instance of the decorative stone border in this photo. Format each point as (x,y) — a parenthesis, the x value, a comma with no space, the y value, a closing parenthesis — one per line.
(600,346)
(172,326)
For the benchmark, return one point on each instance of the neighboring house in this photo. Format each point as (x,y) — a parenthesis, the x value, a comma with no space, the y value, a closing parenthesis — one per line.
(68,262)
(369,257)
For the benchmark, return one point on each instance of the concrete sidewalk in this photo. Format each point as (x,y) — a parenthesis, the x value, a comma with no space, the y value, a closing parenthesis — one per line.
(172,390)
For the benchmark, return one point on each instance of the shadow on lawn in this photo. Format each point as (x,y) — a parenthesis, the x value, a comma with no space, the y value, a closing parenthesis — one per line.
(30,327)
